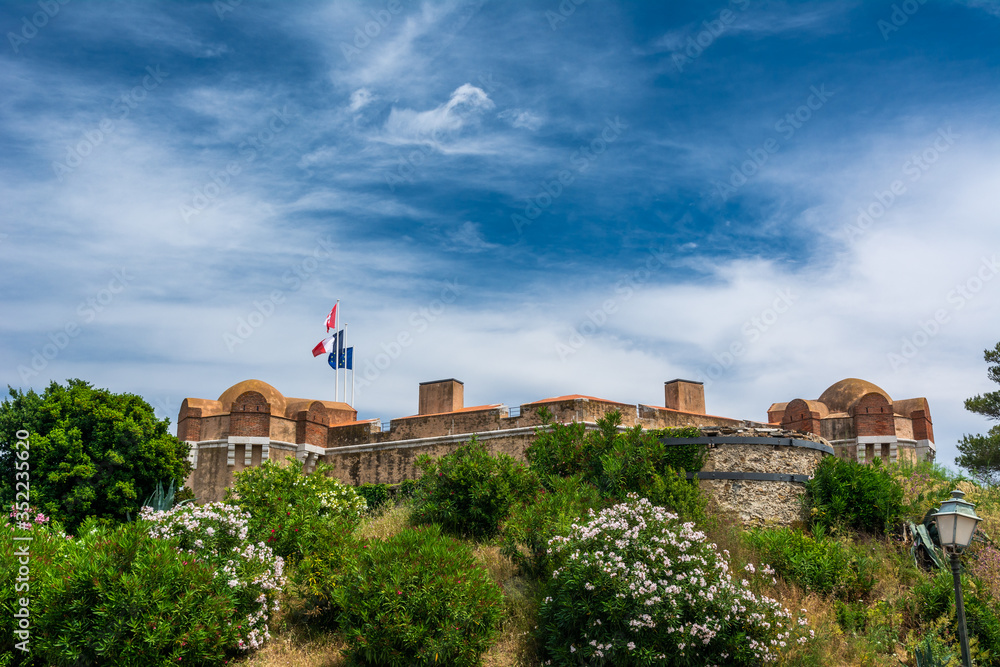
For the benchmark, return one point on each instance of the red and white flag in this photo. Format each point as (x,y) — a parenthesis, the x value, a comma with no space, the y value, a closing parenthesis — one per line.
(331,319)
(325,346)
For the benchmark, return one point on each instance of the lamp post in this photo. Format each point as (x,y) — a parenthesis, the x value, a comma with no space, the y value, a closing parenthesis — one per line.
(956,524)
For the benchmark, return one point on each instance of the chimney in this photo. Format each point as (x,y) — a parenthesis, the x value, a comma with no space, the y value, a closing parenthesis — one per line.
(441,396)
(684,395)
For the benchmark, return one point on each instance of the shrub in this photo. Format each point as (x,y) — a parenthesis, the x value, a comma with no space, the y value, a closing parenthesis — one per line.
(471,492)
(285,505)
(44,548)
(859,496)
(418,598)
(376,495)
(116,595)
(526,533)
(822,564)
(621,463)
(328,556)
(635,586)
(558,449)
(217,535)
(935,597)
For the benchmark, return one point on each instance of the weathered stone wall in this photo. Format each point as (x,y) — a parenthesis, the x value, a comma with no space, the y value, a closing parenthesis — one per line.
(651,417)
(451,423)
(394,462)
(213,474)
(758,502)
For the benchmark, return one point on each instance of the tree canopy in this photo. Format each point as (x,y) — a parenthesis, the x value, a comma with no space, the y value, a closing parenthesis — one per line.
(980,454)
(91,452)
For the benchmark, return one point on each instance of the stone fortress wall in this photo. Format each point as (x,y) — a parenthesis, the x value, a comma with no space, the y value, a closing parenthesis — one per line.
(755,469)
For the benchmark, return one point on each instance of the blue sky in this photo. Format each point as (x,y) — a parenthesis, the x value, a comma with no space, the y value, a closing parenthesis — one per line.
(536,198)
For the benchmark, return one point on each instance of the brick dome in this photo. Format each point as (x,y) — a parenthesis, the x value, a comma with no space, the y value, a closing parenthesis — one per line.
(840,396)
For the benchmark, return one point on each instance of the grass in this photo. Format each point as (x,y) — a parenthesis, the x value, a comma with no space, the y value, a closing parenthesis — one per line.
(515,645)
(297,647)
(388,521)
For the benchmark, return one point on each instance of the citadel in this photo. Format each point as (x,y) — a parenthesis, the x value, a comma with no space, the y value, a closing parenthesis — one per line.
(755,468)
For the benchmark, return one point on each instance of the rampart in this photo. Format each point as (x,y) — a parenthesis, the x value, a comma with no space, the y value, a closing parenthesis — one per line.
(753,469)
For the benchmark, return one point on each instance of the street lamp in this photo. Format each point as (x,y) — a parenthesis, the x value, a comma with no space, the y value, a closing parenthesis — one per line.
(956,524)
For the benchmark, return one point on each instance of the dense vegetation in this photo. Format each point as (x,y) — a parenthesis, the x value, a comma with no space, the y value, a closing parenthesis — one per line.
(93,453)
(598,551)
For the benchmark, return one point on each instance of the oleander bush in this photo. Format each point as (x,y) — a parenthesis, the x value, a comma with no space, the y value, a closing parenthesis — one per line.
(636,586)
(285,505)
(858,496)
(619,463)
(181,587)
(329,554)
(418,598)
(471,492)
(820,564)
(526,533)
(218,535)
(25,580)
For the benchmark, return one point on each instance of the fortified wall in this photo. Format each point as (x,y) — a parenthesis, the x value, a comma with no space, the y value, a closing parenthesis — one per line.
(756,469)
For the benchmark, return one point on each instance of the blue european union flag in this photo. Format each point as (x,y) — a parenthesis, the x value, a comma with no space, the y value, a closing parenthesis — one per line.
(332,360)
(347,358)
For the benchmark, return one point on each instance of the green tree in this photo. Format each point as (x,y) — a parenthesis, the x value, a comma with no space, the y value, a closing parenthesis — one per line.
(980,454)
(91,452)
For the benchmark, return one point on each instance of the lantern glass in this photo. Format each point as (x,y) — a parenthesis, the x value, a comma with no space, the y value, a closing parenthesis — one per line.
(956,522)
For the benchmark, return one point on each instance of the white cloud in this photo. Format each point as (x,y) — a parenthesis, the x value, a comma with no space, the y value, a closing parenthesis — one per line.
(521,118)
(468,238)
(463,109)
(360,98)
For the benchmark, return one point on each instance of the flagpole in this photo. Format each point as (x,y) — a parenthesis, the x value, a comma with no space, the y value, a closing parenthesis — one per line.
(352,381)
(342,345)
(336,366)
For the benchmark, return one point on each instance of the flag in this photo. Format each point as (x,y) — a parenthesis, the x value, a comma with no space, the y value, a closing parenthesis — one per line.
(326,345)
(331,319)
(347,358)
(332,360)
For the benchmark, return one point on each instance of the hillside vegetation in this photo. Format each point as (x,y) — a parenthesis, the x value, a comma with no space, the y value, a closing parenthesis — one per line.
(596,551)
